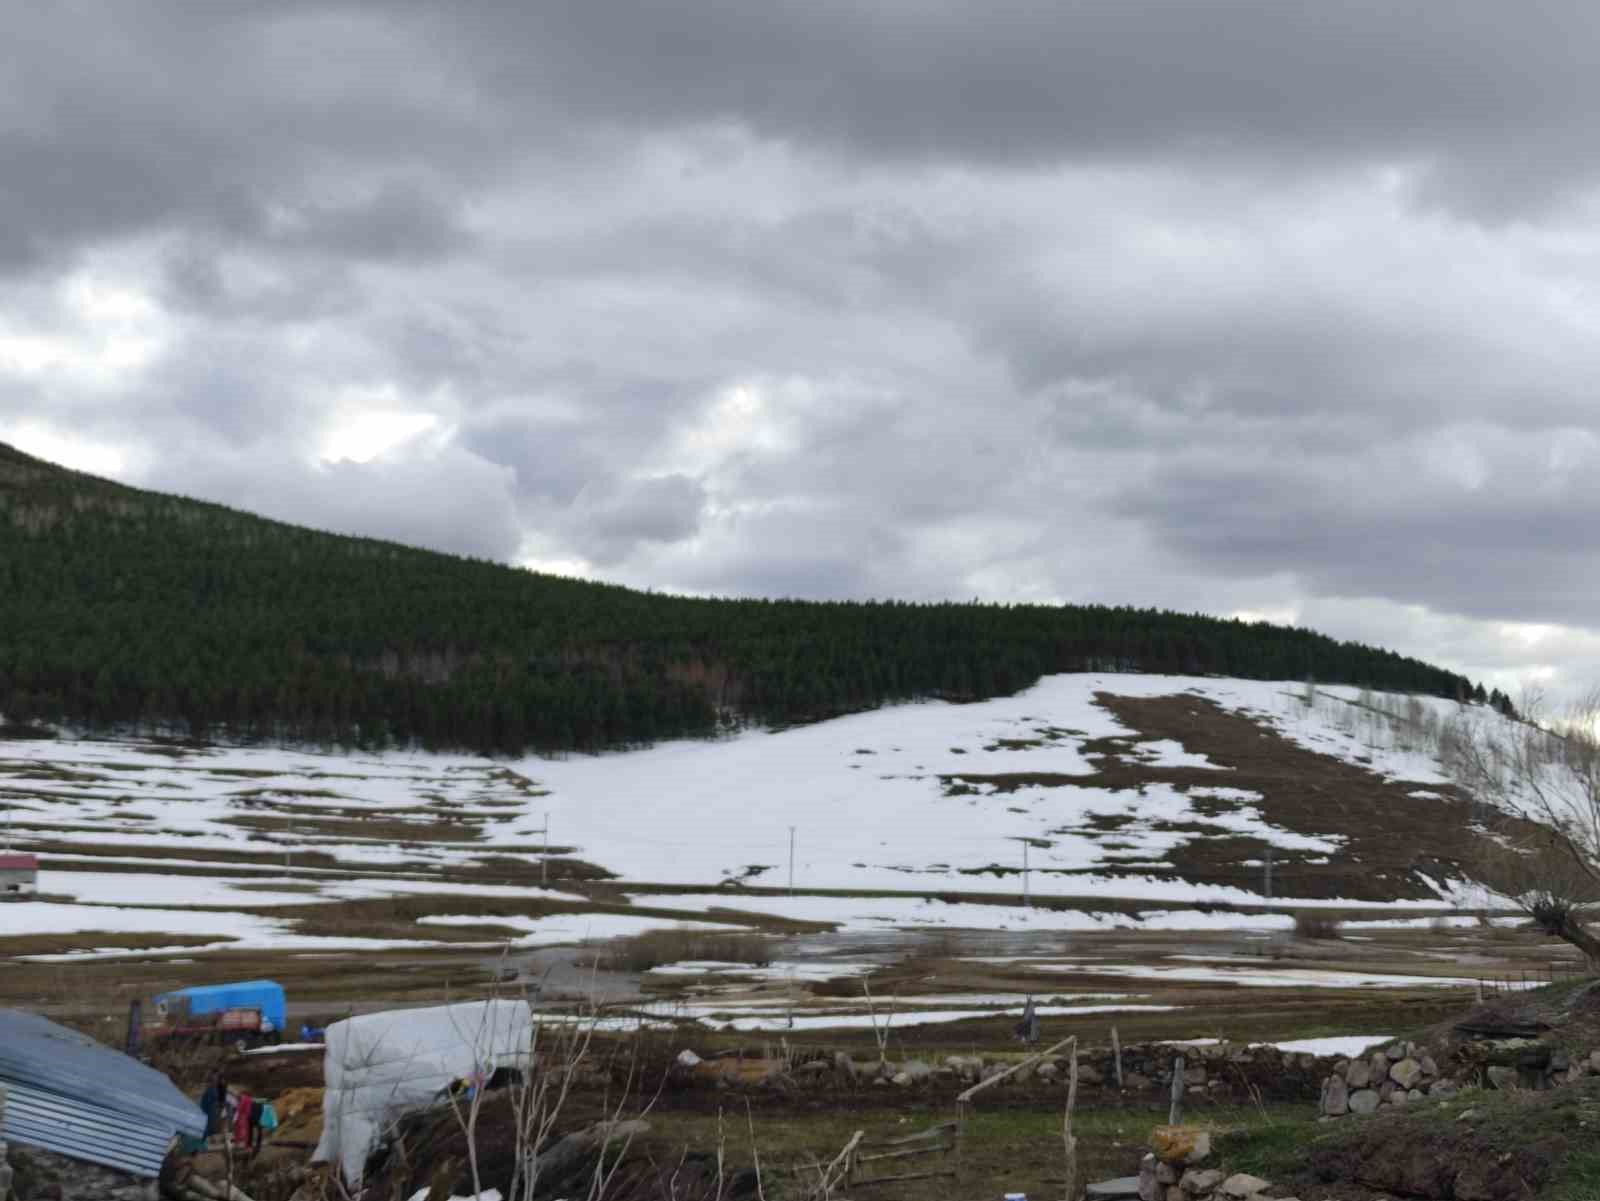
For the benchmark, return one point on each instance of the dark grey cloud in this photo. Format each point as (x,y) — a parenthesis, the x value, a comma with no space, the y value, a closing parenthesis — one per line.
(1466,90)
(1235,305)
(612,518)
(1477,521)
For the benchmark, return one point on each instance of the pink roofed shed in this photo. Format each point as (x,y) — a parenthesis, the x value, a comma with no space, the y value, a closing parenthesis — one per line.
(19,875)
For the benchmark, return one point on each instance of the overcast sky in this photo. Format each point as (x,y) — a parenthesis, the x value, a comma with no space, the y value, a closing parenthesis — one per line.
(1233,305)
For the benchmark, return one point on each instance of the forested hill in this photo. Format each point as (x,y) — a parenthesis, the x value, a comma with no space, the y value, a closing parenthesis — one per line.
(120,606)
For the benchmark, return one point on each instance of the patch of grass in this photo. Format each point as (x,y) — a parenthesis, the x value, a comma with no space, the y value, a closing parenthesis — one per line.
(654,948)
(1269,1149)
(63,944)
(1009,781)
(273,886)
(1579,1177)
(1542,1142)
(21,731)
(323,793)
(1005,1146)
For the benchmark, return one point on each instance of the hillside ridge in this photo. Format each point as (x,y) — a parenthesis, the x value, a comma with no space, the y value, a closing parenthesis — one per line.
(121,607)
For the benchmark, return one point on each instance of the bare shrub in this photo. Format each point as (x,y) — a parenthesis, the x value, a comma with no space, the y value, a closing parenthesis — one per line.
(1313,923)
(653,948)
(1546,772)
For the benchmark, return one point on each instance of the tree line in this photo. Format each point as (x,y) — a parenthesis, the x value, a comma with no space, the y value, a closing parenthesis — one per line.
(122,608)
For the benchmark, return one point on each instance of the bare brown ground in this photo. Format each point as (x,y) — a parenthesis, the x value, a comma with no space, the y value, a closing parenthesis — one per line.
(1391,840)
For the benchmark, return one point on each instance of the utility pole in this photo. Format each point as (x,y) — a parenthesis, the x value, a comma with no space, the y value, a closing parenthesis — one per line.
(544,853)
(1026,901)
(1266,870)
(791,861)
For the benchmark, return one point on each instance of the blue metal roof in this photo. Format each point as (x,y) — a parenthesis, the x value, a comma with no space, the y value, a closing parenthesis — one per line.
(265,995)
(70,1094)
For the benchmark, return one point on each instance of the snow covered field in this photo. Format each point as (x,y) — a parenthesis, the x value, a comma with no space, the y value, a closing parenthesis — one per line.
(891,801)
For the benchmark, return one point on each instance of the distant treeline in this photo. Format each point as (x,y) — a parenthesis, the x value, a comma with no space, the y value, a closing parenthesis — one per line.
(120,607)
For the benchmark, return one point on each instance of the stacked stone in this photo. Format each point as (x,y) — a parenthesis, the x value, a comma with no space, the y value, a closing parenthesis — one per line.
(1145,1068)
(1401,1074)
(1527,1063)
(1176,1170)
(1580,1067)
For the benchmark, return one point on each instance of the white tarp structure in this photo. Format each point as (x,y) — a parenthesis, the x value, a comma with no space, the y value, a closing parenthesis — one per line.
(382,1065)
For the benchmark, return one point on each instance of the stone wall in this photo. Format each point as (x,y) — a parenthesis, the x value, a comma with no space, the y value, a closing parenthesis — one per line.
(1223,1071)
(1404,1073)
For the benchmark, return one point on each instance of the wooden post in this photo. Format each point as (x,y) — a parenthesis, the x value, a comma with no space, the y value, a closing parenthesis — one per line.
(1116,1051)
(1066,1128)
(845,1160)
(962,1101)
(1175,1114)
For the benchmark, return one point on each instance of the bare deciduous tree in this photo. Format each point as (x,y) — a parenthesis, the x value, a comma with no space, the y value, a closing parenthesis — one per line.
(1546,771)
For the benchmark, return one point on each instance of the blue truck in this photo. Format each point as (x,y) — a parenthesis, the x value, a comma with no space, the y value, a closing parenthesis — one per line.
(243,1015)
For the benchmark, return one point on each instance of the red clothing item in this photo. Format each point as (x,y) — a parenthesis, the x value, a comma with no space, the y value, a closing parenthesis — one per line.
(241,1120)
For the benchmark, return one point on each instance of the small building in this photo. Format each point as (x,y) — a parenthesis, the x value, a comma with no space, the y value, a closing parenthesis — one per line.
(68,1095)
(19,876)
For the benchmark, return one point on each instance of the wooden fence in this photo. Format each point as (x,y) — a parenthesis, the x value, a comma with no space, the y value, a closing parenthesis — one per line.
(894,1153)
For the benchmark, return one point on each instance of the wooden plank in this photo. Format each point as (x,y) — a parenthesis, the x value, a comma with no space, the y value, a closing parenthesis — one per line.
(942,1130)
(1016,1067)
(844,1163)
(907,1176)
(906,1154)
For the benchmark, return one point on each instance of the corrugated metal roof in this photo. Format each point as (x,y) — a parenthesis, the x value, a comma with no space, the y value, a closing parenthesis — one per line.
(72,1127)
(70,1094)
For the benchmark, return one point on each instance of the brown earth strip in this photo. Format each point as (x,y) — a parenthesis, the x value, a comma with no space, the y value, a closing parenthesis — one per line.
(1391,840)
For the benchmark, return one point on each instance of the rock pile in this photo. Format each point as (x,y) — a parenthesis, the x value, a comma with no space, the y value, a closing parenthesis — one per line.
(1404,1073)
(1178,1169)
(1400,1074)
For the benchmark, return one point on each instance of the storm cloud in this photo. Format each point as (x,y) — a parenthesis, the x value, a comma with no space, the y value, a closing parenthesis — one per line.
(1238,306)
